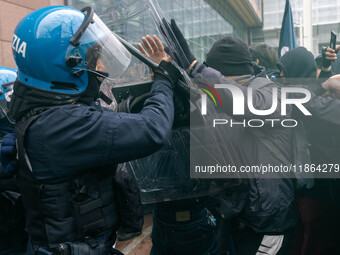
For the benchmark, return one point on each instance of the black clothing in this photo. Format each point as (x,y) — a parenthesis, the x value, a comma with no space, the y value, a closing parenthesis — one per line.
(266,204)
(68,157)
(298,63)
(230,56)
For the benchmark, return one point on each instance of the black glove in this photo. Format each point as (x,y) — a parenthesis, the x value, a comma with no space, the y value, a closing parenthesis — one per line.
(181,40)
(174,57)
(325,62)
(168,71)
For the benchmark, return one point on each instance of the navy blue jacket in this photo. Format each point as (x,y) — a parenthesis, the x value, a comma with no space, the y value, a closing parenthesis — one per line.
(66,140)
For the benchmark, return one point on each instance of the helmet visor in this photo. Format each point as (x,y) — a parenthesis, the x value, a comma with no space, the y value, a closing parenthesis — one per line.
(99,51)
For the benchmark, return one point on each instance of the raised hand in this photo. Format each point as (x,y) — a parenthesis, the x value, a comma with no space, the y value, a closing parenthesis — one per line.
(154,49)
(328,57)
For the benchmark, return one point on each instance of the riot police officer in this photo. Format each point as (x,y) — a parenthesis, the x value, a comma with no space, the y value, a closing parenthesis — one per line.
(68,150)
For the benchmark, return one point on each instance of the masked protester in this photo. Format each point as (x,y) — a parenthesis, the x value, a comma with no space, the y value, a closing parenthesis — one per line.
(317,233)
(13,238)
(324,91)
(231,57)
(298,72)
(69,150)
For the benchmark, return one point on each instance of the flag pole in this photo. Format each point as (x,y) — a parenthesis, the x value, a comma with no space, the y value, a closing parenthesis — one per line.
(301,31)
(308,27)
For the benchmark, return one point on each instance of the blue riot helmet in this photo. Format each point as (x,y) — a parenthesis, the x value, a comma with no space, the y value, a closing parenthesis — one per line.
(58,49)
(7,79)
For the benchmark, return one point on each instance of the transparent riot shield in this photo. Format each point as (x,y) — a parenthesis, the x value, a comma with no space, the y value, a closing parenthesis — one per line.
(166,174)
(130,21)
(174,48)
(134,19)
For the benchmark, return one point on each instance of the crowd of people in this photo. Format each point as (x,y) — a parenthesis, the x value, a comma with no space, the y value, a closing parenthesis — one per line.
(60,149)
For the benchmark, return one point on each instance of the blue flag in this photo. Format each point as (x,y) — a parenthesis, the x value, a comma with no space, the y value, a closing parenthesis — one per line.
(287,35)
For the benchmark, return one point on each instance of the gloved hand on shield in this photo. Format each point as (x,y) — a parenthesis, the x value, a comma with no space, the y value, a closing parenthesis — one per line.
(184,45)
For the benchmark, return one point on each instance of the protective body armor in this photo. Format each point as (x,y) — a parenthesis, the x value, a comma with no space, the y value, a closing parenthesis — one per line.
(77,211)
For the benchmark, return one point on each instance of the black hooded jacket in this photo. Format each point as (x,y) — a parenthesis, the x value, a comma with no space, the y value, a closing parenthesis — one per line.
(298,66)
(298,63)
(266,205)
(322,130)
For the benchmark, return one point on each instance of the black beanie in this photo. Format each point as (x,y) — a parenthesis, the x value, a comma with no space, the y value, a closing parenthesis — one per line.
(231,57)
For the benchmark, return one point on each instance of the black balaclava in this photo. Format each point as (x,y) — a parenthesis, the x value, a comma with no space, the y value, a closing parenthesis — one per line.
(298,66)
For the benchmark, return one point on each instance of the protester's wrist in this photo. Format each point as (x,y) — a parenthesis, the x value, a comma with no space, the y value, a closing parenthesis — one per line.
(192,65)
(326,69)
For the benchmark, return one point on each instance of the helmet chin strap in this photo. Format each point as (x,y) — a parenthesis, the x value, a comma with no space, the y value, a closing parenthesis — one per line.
(104,97)
(93,89)
(99,77)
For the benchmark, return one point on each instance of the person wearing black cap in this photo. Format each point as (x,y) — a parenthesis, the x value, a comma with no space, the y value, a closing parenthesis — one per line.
(262,210)
(228,55)
(231,57)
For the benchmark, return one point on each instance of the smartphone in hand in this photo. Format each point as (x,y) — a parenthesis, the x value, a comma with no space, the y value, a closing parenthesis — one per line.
(332,44)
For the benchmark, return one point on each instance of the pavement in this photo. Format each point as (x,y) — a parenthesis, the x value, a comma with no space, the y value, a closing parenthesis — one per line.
(140,245)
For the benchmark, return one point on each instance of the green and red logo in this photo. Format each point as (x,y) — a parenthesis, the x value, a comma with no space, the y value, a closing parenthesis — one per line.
(210,94)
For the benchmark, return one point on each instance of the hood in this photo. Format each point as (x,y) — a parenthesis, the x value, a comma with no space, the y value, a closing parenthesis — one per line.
(299,64)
